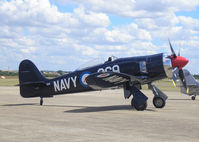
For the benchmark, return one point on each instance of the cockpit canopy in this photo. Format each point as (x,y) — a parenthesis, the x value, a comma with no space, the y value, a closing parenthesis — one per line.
(96,62)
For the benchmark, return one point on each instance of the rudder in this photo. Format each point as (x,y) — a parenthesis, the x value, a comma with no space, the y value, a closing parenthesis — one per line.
(28,72)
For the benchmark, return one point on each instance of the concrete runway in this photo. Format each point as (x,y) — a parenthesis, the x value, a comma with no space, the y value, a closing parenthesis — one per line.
(96,117)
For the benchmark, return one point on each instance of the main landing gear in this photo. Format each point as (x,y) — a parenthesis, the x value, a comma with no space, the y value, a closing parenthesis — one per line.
(138,107)
(139,101)
(160,98)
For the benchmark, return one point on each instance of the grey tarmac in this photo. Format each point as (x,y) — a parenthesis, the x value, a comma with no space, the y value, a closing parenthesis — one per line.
(101,116)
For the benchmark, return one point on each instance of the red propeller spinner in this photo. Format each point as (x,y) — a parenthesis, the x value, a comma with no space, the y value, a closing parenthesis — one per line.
(178,61)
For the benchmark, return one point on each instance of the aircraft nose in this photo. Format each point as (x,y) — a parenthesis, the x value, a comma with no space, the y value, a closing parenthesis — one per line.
(186,61)
(179,62)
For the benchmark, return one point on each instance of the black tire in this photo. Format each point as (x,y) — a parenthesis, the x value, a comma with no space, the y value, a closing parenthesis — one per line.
(193,98)
(159,102)
(140,107)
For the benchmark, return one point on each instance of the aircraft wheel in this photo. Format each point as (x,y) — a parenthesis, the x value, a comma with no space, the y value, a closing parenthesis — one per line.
(41,101)
(138,107)
(193,98)
(158,102)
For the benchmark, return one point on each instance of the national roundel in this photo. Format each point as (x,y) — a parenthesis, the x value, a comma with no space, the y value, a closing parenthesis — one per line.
(83,78)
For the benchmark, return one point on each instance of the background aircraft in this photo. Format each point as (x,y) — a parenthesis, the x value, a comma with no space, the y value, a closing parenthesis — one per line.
(192,86)
(130,73)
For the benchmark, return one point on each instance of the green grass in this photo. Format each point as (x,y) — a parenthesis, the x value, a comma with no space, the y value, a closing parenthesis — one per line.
(164,85)
(9,81)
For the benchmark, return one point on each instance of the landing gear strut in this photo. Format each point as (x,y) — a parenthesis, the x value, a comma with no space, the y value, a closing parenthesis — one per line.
(41,101)
(160,98)
(139,101)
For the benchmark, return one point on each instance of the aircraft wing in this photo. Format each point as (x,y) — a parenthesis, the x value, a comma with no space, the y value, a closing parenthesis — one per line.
(102,80)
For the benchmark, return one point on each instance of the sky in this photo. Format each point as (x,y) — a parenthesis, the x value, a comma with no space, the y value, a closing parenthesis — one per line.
(64,34)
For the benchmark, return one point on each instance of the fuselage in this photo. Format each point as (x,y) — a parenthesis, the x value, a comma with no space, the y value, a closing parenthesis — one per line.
(152,67)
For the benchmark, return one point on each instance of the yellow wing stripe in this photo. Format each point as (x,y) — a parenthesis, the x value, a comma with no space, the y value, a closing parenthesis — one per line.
(187,90)
(174,83)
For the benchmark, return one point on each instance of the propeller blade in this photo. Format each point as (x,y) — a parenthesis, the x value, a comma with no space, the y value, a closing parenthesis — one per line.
(175,75)
(173,52)
(182,78)
(179,51)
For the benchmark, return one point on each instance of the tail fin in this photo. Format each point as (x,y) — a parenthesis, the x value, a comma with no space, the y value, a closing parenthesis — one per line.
(31,80)
(28,73)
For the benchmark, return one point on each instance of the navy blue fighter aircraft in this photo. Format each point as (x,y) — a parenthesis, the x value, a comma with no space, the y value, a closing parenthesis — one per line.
(130,73)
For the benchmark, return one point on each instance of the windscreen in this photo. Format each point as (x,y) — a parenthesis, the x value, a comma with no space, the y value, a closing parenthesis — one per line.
(90,63)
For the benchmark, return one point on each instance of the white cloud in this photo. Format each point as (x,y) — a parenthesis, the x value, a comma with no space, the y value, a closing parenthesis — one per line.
(36,29)
(119,35)
(136,8)
(91,18)
(189,23)
(166,5)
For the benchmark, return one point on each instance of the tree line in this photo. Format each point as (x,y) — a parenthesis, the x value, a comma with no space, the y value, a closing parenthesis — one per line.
(49,74)
(55,74)
(8,73)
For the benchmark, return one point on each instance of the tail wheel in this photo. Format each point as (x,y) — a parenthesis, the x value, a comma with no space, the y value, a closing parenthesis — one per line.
(159,102)
(138,107)
(193,98)
(41,101)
